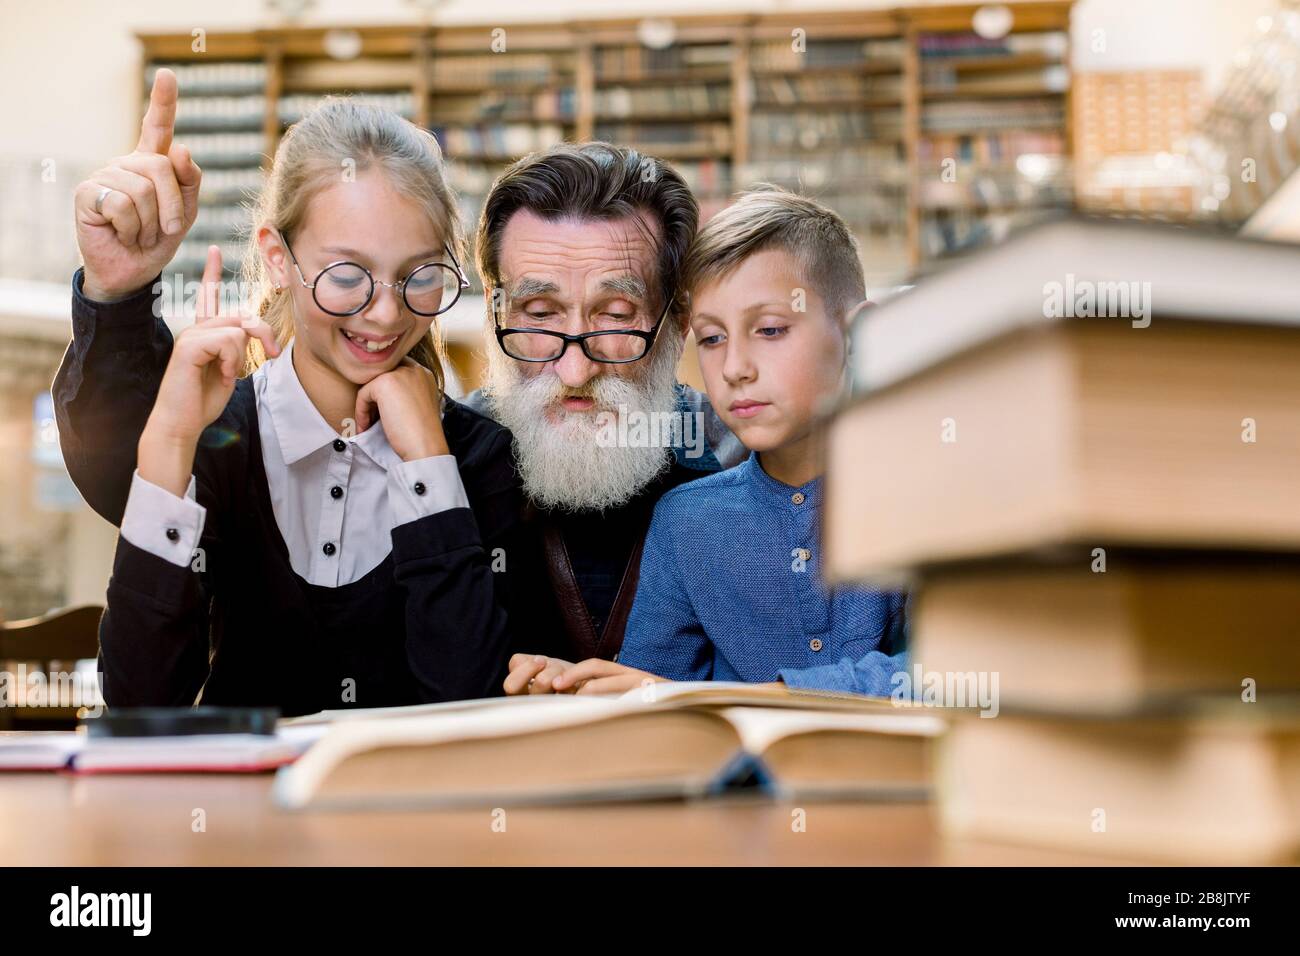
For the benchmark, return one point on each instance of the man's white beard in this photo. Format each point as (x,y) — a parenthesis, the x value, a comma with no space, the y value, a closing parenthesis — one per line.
(564,466)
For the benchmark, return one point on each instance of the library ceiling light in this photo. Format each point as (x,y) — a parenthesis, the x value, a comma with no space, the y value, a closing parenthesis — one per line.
(1034,166)
(656,34)
(342,44)
(993,21)
(1277,120)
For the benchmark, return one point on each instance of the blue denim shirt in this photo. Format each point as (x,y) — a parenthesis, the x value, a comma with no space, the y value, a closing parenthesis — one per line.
(730,590)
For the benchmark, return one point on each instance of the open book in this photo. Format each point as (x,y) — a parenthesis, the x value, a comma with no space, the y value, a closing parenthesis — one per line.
(660,741)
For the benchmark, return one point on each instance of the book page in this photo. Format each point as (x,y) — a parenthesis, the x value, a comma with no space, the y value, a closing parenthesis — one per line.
(760,727)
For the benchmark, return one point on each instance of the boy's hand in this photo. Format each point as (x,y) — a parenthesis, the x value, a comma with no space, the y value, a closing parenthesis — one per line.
(132,215)
(533,674)
(597,676)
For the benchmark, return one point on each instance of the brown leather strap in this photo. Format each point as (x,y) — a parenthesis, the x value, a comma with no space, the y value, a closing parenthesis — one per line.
(578,625)
(611,638)
(573,609)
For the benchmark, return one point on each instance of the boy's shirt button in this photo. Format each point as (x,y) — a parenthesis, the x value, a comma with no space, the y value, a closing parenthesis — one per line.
(815,644)
(804,554)
(797,497)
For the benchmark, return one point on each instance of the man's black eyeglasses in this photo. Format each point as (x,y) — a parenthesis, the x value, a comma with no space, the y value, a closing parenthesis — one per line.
(611,346)
(345,288)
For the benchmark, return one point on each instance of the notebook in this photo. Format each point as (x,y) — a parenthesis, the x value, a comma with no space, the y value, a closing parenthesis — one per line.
(195,753)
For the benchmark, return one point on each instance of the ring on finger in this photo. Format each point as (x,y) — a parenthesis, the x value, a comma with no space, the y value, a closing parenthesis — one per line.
(99,200)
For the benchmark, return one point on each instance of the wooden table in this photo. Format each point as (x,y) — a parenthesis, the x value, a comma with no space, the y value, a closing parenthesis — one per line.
(138,819)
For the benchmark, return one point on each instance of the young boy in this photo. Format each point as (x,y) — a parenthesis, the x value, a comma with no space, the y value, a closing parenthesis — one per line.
(730,586)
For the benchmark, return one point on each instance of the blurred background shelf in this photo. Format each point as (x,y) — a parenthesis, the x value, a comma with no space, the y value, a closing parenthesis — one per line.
(809,100)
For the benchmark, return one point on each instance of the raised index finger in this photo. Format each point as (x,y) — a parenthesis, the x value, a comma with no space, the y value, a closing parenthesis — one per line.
(160,120)
(209,303)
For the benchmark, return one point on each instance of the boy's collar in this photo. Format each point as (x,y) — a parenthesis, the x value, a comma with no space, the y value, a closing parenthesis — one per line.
(778,493)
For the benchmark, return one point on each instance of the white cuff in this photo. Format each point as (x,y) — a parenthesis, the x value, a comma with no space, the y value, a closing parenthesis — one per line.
(417,489)
(157,521)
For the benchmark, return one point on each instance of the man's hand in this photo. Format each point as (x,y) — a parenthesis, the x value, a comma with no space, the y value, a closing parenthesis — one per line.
(152,203)
(597,676)
(533,674)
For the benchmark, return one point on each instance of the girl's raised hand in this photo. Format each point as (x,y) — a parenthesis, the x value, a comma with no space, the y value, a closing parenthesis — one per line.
(198,382)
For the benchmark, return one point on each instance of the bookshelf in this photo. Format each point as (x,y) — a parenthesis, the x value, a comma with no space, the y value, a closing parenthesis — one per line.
(925,137)
(993,135)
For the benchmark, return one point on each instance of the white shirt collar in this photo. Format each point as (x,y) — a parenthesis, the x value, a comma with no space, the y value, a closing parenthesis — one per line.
(299,426)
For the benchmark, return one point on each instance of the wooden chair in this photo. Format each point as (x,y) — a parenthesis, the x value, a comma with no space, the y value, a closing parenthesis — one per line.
(50,643)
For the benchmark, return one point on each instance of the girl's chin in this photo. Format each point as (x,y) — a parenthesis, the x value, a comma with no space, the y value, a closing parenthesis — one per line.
(358,373)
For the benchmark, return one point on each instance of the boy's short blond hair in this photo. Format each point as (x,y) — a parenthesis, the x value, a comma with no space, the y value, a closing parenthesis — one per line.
(769,217)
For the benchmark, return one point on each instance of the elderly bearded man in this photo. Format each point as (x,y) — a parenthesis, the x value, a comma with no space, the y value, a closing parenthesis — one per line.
(580,249)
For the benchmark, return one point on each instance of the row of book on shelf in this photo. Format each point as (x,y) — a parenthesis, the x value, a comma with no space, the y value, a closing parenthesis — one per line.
(943,80)
(623,101)
(793,55)
(199,114)
(224,77)
(981,115)
(626,60)
(500,69)
(993,147)
(703,137)
(775,132)
(547,105)
(850,168)
(497,139)
(1045,43)
(838,88)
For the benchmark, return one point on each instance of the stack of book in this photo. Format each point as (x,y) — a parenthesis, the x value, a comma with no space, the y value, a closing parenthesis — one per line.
(1081,450)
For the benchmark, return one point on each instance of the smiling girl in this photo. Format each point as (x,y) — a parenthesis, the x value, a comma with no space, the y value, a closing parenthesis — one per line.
(320,533)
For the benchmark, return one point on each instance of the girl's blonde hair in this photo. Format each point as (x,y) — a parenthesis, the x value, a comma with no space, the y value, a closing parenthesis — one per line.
(344,138)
